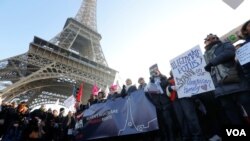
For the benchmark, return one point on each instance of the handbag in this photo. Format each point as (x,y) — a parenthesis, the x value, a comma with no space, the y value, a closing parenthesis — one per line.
(232,76)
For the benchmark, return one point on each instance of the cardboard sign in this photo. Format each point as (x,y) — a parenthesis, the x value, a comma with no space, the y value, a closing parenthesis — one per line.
(189,74)
(243,54)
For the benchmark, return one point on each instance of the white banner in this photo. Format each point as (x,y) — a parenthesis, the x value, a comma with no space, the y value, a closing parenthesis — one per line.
(69,102)
(243,54)
(189,74)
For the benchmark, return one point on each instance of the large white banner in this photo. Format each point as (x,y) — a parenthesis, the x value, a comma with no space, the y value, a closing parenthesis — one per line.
(189,74)
(243,54)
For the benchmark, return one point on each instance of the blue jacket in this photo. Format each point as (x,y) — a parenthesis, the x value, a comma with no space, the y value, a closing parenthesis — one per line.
(222,56)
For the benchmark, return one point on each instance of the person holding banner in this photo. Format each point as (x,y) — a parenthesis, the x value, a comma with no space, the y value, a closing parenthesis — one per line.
(185,112)
(228,87)
(92,100)
(129,86)
(156,93)
(113,92)
(142,83)
(101,96)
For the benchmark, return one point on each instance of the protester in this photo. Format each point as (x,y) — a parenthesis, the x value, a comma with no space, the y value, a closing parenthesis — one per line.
(186,115)
(68,127)
(129,86)
(113,92)
(92,100)
(228,89)
(245,82)
(244,72)
(101,96)
(156,93)
(208,109)
(245,32)
(16,123)
(142,83)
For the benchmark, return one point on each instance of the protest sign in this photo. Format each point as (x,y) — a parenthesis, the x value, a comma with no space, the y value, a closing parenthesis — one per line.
(189,74)
(243,54)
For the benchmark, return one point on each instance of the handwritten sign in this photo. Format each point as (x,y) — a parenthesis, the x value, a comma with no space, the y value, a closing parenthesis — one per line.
(243,54)
(189,74)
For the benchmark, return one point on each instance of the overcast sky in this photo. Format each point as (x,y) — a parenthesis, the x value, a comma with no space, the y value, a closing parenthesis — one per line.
(135,33)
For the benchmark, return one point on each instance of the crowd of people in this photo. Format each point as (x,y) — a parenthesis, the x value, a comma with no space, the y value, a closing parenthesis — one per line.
(21,124)
(193,118)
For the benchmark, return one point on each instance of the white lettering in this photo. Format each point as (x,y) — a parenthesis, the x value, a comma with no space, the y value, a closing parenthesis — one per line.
(229,132)
(242,132)
(236,132)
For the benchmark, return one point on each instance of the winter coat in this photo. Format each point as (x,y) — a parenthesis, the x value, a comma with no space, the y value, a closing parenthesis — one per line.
(222,57)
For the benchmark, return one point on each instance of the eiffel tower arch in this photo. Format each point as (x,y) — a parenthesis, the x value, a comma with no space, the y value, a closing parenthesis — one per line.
(50,69)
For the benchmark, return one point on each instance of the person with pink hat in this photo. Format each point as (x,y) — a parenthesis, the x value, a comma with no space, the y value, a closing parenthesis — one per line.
(113,92)
(95,90)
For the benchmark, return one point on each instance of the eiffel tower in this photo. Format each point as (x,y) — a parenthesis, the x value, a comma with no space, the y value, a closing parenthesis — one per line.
(50,69)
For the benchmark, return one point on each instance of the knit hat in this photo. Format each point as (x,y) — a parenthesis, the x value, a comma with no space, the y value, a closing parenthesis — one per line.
(95,90)
(113,87)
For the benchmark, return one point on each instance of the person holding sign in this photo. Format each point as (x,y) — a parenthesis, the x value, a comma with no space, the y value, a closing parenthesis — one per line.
(245,31)
(244,50)
(184,109)
(228,89)
(243,58)
(155,91)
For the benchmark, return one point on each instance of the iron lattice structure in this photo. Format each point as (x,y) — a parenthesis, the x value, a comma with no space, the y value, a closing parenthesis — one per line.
(50,69)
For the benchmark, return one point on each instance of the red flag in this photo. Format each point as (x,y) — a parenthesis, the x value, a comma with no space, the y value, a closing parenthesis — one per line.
(79,93)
